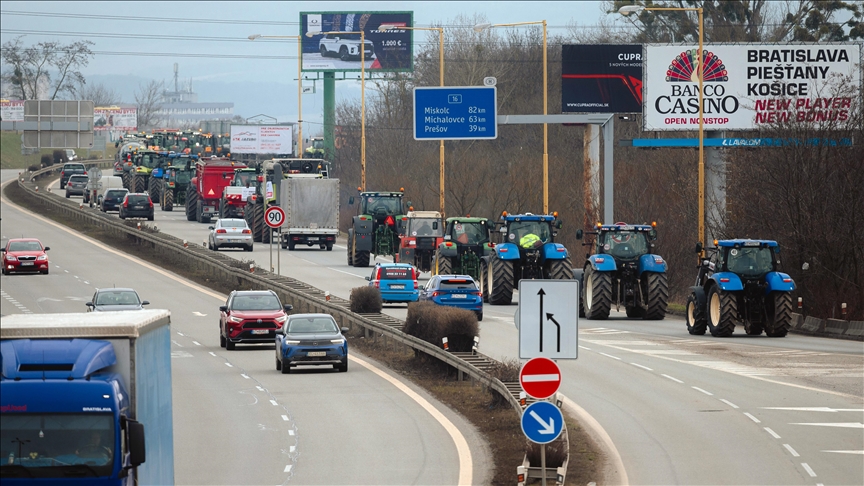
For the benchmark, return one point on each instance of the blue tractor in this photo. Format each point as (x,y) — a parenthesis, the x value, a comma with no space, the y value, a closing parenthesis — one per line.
(740,283)
(526,252)
(624,271)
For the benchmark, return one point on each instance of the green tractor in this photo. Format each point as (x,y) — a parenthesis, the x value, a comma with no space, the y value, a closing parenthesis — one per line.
(175,179)
(376,228)
(466,241)
(137,176)
(315,148)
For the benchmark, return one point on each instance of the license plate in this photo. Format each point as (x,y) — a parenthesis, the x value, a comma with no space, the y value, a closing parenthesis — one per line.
(459,296)
(260,331)
(139,207)
(397,287)
(27,264)
(313,239)
(316,353)
(233,241)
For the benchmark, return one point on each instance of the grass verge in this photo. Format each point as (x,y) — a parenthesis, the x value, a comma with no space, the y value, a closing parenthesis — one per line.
(493,417)
(11,158)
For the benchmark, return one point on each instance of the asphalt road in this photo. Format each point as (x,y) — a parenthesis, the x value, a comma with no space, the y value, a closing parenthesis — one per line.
(236,419)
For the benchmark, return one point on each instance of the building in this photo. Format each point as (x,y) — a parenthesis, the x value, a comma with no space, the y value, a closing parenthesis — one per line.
(180,107)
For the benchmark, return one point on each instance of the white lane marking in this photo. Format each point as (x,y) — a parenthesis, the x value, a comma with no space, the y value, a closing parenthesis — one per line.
(180,333)
(86,282)
(67,271)
(212,353)
(610,356)
(846,425)
(259,388)
(791,450)
(815,409)
(292,449)
(229,365)
(176,343)
(346,273)
(274,403)
(583,347)
(196,313)
(244,376)
(586,418)
(466,466)
(701,390)
(671,378)
(640,366)
(180,354)
(290,432)
(847,452)
(288,468)
(753,418)
(285,418)
(196,343)
(808,469)
(534,378)
(727,402)
(773,434)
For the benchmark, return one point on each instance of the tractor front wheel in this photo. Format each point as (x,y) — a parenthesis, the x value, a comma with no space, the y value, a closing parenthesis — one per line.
(655,288)
(350,251)
(779,314)
(191,203)
(561,269)
(696,322)
(597,294)
(722,312)
(168,200)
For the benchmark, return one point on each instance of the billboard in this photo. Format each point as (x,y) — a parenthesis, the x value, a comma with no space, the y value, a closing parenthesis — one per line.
(389,50)
(115,119)
(603,78)
(262,139)
(12,110)
(748,86)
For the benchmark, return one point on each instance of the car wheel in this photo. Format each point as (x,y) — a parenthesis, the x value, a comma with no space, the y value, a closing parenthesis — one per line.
(480,316)
(150,218)
(67,194)
(342,367)
(323,51)
(278,364)
(221,339)
(45,272)
(229,345)
(286,367)
(248,248)
(343,54)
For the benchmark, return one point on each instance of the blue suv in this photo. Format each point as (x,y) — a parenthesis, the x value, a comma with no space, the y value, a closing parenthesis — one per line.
(454,291)
(311,339)
(396,281)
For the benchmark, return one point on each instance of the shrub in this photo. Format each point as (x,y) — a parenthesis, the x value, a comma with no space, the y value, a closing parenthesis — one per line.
(60,157)
(47,160)
(366,300)
(431,323)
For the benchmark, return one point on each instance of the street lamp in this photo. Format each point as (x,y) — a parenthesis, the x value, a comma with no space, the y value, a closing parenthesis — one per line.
(484,26)
(299,84)
(386,27)
(362,97)
(626,11)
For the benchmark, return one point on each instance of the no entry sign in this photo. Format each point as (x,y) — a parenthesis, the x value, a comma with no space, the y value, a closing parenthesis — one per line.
(540,378)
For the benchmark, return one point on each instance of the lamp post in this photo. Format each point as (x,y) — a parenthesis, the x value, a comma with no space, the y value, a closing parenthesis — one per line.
(626,11)
(362,97)
(299,84)
(482,27)
(440,30)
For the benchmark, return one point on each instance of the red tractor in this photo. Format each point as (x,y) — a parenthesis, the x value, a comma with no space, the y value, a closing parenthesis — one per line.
(204,193)
(424,231)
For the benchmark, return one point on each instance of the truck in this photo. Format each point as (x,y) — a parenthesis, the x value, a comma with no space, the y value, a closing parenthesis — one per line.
(466,242)
(527,251)
(424,230)
(311,205)
(204,192)
(623,270)
(740,283)
(376,228)
(86,398)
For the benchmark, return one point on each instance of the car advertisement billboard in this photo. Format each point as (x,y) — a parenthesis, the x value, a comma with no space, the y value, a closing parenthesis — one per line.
(748,86)
(262,139)
(603,78)
(387,50)
(12,110)
(115,119)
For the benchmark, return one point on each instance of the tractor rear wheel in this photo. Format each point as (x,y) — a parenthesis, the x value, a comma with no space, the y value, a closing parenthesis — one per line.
(154,187)
(254,217)
(597,294)
(350,250)
(127,181)
(779,314)
(199,216)
(484,281)
(191,203)
(168,200)
(578,274)
(445,265)
(500,282)
(722,312)
(655,288)
(695,315)
(561,269)
(139,183)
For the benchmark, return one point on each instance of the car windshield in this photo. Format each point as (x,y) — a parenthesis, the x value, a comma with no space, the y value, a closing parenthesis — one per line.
(312,325)
(424,227)
(395,273)
(183,176)
(520,233)
(382,205)
(25,246)
(232,223)
(74,168)
(256,302)
(117,297)
(117,193)
(625,245)
(137,199)
(244,179)
(78,178)
(750,261)
(469,233)
(456,284)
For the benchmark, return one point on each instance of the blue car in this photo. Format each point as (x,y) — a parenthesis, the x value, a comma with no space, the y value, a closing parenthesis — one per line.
(396,281)
(455,291)
(311,339)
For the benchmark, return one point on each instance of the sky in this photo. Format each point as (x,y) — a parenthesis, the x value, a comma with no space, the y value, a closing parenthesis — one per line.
(135,41)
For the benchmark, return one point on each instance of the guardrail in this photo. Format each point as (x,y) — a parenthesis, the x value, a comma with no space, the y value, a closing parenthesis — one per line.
(304,297)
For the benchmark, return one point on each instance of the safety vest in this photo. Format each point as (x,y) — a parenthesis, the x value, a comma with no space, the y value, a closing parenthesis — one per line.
(529,240)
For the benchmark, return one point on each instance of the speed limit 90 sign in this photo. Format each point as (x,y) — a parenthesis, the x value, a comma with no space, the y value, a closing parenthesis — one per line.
(274,216)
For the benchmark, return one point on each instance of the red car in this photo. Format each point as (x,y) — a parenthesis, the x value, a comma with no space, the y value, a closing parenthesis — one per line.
(251,316)
(25,255)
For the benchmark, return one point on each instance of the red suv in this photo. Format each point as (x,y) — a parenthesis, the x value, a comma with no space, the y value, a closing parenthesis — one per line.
(24,255)
(251,316)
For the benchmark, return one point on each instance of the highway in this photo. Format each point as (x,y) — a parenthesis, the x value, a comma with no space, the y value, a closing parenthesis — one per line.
(236,419)
(678,409)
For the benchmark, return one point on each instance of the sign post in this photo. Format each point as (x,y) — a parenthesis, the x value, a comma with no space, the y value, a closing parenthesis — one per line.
(274,217)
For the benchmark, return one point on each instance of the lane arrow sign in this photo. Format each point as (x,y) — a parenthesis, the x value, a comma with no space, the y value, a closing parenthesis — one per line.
(547,428)
(542,422)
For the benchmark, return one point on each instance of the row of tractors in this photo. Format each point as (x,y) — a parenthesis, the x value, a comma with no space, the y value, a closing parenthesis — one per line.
(739,283)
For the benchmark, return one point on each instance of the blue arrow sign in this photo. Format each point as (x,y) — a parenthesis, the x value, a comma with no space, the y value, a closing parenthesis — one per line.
(542,422)
(455,113)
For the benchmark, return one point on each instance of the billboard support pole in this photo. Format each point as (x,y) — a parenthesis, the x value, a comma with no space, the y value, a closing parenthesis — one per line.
(608,176)
(591,175)
(329,113)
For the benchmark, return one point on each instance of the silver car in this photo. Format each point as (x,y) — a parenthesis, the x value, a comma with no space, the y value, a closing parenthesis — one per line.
(115,299)
(230,233)
(76,186)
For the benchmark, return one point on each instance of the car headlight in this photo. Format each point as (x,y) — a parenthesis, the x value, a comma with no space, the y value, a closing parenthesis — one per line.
(42,258)
(338,341)
(281,319)
(11,258)
(291,341)
(235,319)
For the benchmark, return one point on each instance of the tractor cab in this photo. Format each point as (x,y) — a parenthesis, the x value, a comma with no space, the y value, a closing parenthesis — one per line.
(424,230)
(304,166)
(625,242)
(378,226)
(466,240)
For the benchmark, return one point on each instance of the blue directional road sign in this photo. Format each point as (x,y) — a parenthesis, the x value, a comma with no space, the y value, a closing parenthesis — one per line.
(456,113)
(542,422)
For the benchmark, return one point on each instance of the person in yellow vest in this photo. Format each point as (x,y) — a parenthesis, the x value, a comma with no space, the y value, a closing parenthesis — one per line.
(530,241)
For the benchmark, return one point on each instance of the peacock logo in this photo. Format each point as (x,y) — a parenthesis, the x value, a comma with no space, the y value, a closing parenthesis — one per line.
(685,68)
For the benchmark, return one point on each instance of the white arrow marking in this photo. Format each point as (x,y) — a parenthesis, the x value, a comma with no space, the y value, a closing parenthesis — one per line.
(815,409)
(199,314)
(848,425)
(547,428)
(535,378)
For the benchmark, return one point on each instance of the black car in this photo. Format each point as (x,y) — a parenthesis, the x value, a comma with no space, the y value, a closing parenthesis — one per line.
(68,170)
(76,185)
(115,299)
(113,199)
(137,205)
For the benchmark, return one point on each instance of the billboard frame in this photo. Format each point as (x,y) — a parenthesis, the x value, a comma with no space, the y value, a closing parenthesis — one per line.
(604,77)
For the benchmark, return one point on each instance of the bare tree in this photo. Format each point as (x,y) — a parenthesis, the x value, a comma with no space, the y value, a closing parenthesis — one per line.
(148,99)
(28,70)
(100,94)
